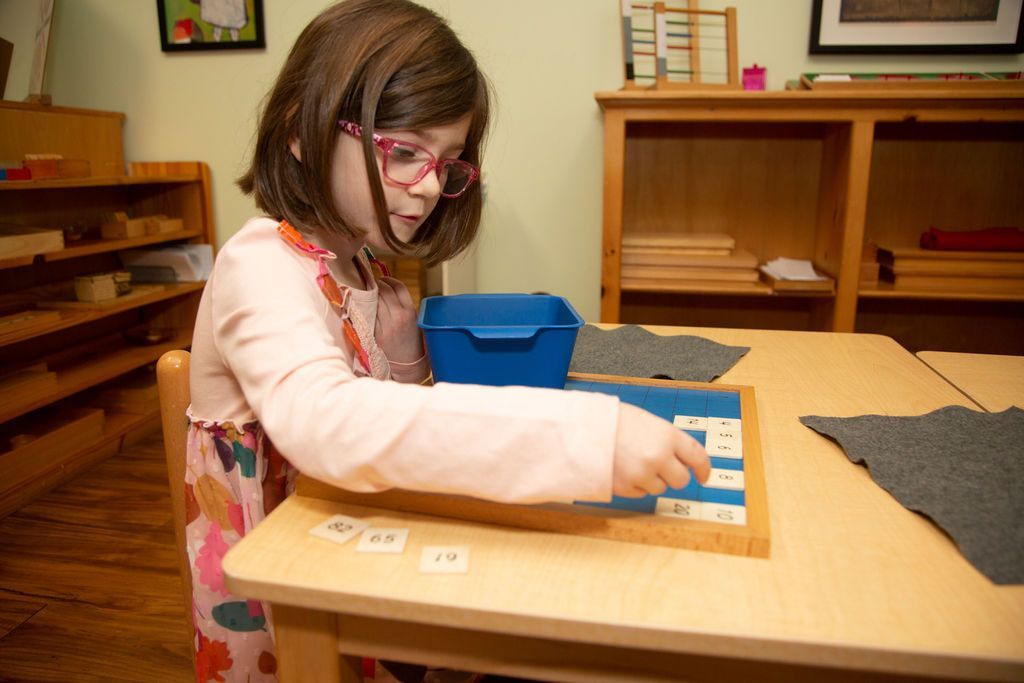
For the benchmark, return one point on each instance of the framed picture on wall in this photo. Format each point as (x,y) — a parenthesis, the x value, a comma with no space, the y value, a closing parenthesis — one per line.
(187,25)
(900,27)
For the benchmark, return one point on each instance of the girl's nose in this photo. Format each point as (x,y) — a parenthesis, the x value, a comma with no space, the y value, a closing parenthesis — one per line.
(428,186)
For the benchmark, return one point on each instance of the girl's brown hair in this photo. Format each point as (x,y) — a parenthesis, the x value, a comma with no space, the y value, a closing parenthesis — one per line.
(388,64)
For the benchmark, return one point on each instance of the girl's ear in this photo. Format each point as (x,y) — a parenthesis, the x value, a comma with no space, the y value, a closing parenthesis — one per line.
(293,145)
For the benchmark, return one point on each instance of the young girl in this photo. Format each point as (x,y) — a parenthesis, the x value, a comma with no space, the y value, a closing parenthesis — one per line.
(303,359)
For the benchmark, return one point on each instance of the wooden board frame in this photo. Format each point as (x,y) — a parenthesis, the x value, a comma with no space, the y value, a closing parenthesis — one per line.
(751,540)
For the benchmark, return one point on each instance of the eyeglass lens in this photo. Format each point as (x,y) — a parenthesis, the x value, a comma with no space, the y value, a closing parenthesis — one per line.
(406,163)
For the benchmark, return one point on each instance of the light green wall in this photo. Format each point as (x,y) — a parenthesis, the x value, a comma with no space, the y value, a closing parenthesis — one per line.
(18,19)
(542,224)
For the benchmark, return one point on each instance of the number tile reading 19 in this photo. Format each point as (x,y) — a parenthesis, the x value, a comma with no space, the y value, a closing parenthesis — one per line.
(444,559)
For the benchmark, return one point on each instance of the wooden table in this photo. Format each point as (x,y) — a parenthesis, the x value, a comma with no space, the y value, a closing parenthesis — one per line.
(993,382)
(855,585)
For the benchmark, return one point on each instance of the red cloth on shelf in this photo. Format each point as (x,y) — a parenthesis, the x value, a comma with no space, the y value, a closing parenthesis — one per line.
(988,239)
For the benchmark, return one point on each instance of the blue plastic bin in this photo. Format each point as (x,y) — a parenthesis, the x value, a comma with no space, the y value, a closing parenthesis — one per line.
(500,339)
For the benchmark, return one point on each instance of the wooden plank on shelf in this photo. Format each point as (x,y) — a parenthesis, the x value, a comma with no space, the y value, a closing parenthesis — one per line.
(657,257)
(24,240)
(91,370)
(28,322)
(71,318)
(887,255)
(138,292)
(93,181)
(694,287)
(39,444)
(693,240)
(951,283)
(958,267)
(678,251)
(886,290)
(632,272)
(87,247)
(824,286)
(136,393)
(118,429)
(27,384)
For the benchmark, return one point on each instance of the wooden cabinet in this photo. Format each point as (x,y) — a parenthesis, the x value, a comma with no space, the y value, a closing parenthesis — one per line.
(815,176)
(77,378)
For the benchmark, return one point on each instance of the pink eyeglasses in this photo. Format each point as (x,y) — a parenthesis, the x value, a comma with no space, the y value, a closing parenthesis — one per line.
(406,163)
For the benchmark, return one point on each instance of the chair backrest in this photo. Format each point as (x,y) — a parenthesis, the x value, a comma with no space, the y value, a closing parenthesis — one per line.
(172,382)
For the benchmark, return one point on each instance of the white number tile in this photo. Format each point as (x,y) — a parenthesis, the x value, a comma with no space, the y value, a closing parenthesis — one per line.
(724,449)
(339,528)
(724,435)
(725,479)
(724,423)
(674,507)
(726,514)
(691,422)
(444,559)
(381,540)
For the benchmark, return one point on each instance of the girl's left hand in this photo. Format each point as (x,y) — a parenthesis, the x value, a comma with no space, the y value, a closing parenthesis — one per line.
(395,329)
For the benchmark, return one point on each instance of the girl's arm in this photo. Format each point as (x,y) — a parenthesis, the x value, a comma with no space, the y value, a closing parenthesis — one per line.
(509,444)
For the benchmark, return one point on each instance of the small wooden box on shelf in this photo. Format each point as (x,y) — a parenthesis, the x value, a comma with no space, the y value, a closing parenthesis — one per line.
(814,175)
(68,365)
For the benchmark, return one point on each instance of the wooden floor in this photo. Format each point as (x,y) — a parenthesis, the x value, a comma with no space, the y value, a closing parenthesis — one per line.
(89,587)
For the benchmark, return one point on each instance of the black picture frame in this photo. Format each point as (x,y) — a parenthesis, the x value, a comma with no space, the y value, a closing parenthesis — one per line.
(254,17)
(817,47)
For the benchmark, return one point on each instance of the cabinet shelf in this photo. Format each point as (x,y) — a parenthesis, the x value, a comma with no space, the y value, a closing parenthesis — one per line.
(812,176)
(89,247)
(93,181)
(71,318)
(884,290)
(73,377)
(84,345)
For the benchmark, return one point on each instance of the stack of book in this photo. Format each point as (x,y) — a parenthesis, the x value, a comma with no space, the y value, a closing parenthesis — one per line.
(685,261)
(970,271)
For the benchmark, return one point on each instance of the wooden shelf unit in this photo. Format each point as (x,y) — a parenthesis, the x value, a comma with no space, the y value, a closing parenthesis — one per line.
(813,175)
(90,348)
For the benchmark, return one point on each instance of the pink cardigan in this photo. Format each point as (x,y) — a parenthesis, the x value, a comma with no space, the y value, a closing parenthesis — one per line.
(268,347)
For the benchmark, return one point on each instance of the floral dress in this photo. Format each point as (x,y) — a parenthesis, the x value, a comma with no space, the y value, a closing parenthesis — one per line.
(233,478)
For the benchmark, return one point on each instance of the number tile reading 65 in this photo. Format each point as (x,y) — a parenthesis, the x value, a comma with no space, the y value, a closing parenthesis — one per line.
(378,540)
(444,559)
(339,528)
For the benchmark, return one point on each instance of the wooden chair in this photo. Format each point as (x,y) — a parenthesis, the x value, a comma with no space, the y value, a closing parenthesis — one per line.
(172,381)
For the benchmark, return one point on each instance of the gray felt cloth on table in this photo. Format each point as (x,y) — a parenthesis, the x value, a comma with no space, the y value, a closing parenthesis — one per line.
(961,468)
(631,351)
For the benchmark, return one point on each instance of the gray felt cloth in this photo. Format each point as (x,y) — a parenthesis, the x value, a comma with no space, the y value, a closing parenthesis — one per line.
(961,468)
(632,351)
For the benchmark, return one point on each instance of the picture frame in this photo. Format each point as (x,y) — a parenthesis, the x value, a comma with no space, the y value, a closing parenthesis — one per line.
(891,27)
(199,25)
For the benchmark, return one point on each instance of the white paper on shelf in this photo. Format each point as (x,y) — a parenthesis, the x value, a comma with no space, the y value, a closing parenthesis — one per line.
(191,262)
(791,269)
(832,78)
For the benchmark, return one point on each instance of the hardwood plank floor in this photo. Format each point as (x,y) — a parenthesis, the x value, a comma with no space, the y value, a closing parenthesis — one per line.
(89,585)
